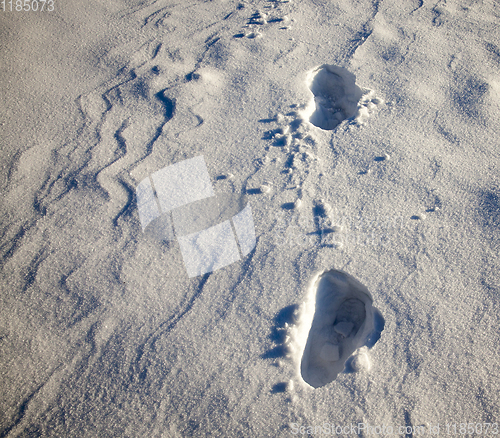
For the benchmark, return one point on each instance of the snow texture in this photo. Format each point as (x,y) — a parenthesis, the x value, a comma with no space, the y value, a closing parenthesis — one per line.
(245,230)
(355,136)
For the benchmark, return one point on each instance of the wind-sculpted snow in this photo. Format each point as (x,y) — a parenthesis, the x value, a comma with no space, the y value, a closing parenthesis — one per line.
(355,134)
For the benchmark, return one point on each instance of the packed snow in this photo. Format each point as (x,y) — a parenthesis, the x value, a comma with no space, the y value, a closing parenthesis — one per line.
(250,218)
(343,320)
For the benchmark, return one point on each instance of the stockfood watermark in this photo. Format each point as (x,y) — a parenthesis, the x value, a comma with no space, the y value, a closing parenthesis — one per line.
(213,229)
(365,429)
(336,231)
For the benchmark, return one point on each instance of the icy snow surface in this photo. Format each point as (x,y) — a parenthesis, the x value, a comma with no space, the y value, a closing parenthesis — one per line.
(363,136)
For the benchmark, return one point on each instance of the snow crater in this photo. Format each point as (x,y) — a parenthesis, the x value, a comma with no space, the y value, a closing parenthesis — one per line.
(336,98)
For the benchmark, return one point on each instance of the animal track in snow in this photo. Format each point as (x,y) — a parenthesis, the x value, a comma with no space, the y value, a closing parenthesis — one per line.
(344,318)
(337,98)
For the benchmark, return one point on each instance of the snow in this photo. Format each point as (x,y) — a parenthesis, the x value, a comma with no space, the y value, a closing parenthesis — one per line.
(357,137)
(342,322)
(336,97)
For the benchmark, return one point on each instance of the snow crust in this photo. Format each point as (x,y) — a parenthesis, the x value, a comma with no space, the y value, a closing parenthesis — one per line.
(103,333)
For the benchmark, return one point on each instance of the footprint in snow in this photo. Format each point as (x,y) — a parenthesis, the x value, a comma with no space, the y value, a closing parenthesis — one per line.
(337,98)
(344,321)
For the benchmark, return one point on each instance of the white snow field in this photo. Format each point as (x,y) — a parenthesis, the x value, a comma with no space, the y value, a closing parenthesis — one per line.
(359,140)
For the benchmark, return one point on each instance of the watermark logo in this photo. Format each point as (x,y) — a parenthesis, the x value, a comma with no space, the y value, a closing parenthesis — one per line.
(334,230)
(213,229)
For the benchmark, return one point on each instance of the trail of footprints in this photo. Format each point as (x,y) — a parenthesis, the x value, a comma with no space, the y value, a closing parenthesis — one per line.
(345,321)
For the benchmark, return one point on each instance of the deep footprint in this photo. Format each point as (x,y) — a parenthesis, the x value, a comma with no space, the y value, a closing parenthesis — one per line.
(343,320)
(336,96)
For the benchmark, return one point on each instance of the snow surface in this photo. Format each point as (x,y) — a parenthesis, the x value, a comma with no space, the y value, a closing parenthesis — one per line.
(102,331)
